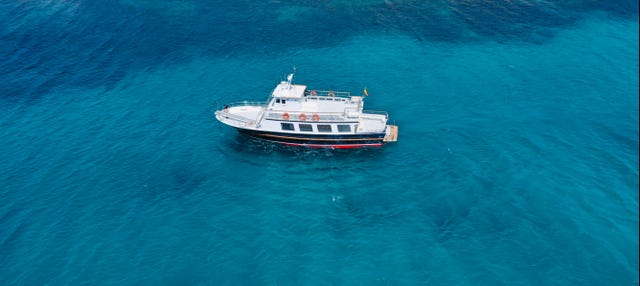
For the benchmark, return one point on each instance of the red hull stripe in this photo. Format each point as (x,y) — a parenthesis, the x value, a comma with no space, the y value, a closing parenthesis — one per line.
(336,146)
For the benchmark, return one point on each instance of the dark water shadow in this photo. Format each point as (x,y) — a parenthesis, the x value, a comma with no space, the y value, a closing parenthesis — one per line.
(86,46)
(95,44)
(242,144)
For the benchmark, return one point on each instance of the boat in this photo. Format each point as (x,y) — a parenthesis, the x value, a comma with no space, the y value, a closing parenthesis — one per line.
(296,116)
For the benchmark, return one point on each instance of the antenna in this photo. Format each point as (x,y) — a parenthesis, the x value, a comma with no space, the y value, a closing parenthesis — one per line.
(290,77)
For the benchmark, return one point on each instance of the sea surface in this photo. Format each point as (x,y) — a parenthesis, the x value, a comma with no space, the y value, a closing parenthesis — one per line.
(517,159)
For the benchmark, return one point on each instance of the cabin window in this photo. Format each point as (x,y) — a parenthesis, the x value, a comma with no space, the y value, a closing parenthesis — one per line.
(344,128)
(305,127)
(287,126)
(284,101)
(324,128)
(277,100)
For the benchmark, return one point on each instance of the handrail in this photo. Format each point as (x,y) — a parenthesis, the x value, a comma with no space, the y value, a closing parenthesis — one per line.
(379,112)
(234,116)
(327,93)
(235,120)
(247,103)
(323,116)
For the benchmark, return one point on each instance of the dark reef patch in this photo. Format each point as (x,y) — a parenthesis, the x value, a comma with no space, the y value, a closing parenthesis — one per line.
(95,44)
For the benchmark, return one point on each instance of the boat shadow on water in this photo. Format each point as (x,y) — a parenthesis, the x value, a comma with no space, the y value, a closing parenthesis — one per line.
(246,144)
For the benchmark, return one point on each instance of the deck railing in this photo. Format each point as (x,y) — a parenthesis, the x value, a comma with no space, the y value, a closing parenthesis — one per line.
(247,103)
(236,120)
(322,116)
(327,93)
(379,112)
(296,116)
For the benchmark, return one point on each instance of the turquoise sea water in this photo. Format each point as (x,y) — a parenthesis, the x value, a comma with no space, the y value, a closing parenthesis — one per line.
(517,159)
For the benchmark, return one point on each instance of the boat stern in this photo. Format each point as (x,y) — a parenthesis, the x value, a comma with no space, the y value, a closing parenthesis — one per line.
(391,134)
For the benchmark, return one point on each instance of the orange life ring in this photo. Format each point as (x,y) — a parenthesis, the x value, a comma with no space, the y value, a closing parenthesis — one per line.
(285,116)
(331,93)
(315,117)
(313,92)
(302,117)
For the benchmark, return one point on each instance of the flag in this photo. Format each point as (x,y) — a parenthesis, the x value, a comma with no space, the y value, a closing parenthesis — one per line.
(365,91)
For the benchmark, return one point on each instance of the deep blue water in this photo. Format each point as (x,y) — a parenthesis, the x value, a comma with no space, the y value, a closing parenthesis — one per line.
(517,160)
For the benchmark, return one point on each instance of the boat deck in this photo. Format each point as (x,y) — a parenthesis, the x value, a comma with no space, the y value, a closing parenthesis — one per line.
(392,136)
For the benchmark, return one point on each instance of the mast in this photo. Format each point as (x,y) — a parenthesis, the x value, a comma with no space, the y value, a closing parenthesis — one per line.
(290,78)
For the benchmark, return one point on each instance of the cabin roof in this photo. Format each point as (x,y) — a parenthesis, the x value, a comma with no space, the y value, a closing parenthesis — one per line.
(287,90)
